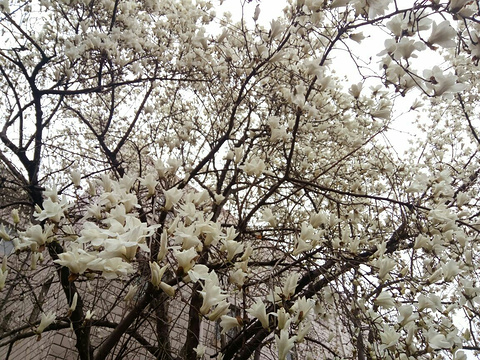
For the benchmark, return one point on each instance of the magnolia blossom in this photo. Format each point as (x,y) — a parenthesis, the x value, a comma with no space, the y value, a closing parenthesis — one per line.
(339,3)
(389,337)
(156,273)
(450,270)
(406,314)
(255,166)
(283,319)
(377,7)
(233,248)
(284,343)
(441,83)
(3,278)
(132,291)
(302,307)
(4,234)
(53,210)
(76,259)
(200,350)
(258,310)
(300,246)
(111,268)
(150,183)
(172,196)
(437,340)
(303,331)
(89,314)
(185,259)
(228,322)
(442,34)
(73,306)
(290,285)
(221,309)
(212,293)
(385,300)
(45,321)
(456,5)
(76,177)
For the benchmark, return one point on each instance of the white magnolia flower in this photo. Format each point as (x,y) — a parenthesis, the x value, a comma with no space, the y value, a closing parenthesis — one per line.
(302,307)
(74,303)
(4,234)
(406,47)
(450,270)
(76,177)
(150,182)
(220,310)
(45,321)
(185,259)
(442,34)
(290,285)
(255,166)
(385,300)
(258,311)
(3,278)
(377,7)
(167,289)
(256,14)
(457,5)
(300,246)
(283,319)
(15,216)
(437,340)
(233,248)
(228,322)
(284,343)
(132,290)
(406,314)
(303,330)
(389,337)
(89,314)
(156,273)
(339,3)
(172,196)
(442,83)
(111,268)
(53,210)
(200,350)
(212,293)
(76,259)
(238,277)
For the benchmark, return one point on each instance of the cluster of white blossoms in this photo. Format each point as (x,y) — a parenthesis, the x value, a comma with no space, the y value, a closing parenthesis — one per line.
(276,205)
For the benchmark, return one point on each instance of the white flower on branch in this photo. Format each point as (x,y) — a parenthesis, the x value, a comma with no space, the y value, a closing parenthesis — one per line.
(228,322)
(185,259)
(442,34)
(385,300)
(442,83)
(150,183)
(172,196)
(156,273)
(45,321)
(212,293)
(284,343)
(377,7)
(255,166)
(220,310)
(456,5)
(258,311)
(389,337)
(53,210)
(4,234)
(3,278)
